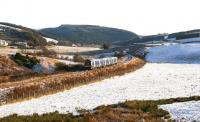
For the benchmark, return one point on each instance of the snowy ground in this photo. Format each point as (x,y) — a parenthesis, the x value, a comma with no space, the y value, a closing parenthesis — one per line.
(153,81)
(70,49)
(184,111)
(68,62)
(177,53)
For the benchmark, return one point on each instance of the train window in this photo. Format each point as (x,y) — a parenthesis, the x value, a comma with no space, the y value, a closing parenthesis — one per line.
(104,63)
(107,62)
(115,60)
(101,62)
(112,61)
(96,63)
(93,63)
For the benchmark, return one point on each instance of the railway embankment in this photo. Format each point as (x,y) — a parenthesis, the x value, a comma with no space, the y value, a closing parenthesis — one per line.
(40,86)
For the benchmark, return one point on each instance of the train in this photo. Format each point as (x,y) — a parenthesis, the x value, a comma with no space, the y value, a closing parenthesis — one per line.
(102,62)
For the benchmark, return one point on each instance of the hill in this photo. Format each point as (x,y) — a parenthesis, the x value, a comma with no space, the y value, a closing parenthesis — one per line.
(12,32)
(173,35)
(88,34)
(159,38)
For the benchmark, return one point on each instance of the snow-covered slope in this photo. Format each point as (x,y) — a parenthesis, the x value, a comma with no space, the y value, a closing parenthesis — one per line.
(177,53)
(6,26)
(51,40)
(184,111)
(153,81)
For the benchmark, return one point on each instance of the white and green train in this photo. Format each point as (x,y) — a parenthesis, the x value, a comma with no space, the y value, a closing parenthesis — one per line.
(102,62)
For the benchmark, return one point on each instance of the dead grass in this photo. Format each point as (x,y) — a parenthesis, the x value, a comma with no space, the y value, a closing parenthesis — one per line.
(130,111)
(9,67)
(39,86)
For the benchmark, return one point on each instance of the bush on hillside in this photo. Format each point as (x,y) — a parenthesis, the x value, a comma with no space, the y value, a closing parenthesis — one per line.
(61,66)
(79,58)
(26,61)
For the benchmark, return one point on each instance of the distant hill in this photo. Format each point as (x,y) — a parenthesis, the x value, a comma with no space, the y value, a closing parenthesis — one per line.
(16,33)
(82,34)
(143,39)
(173,35)
(159,38)
(88,34)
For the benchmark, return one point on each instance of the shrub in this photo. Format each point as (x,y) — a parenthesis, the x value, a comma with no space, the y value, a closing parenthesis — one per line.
(78,58)
(25,60)
(61,66)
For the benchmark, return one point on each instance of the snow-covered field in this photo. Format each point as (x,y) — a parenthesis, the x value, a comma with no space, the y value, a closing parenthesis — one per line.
(153,81)
(64,49)
(177,53)
(184,111)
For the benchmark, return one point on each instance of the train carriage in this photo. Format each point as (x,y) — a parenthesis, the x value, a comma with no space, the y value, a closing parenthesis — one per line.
(102,62)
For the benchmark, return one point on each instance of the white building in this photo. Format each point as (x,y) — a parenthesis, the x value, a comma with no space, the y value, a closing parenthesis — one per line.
(3,43)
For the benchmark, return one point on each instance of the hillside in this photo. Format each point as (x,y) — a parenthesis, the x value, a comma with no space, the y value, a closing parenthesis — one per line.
(7,66)
(159,38)
(88,34)
(16,33)
(173,35)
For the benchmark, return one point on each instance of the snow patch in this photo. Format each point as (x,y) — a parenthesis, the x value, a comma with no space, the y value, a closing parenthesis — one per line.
(10,27)
(46,65)
(51,40)
(68,62)
(184,111)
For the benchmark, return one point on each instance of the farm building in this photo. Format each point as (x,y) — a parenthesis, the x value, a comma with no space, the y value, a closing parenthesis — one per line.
(3,43)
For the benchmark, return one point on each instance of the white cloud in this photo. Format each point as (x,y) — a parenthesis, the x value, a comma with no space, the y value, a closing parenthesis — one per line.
(140,16)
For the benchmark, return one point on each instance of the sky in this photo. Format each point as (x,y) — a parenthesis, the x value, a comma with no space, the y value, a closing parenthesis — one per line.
(144,17)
